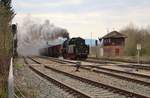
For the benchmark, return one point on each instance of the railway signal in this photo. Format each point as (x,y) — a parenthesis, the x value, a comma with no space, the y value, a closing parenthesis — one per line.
(14,31)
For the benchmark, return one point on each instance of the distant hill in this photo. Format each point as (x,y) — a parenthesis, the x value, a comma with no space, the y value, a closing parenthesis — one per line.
(89,41)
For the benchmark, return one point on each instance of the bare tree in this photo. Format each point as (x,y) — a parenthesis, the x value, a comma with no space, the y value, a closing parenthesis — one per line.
(6,15)
(136,35)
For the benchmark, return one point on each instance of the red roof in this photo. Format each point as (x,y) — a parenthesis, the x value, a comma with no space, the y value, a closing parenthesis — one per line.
(114,34)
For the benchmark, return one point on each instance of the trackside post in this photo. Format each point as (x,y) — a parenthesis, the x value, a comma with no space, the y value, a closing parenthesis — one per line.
(11,81)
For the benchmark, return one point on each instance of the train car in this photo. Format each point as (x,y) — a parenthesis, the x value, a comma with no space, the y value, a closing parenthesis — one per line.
(75,48)
(44,51)
(54,51)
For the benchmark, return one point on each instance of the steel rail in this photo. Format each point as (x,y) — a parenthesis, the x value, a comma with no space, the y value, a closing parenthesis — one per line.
(120,60)
(113,70)
(136,66)
(57,60)
(121,64)
(119,76)
(100,62)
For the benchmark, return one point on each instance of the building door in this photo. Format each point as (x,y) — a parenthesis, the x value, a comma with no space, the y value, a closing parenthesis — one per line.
(117,52)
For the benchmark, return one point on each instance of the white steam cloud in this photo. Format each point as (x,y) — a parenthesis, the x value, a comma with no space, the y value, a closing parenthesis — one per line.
(33,35)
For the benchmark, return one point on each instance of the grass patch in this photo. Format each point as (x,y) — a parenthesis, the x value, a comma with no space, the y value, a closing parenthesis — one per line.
(3,87)
(18,66)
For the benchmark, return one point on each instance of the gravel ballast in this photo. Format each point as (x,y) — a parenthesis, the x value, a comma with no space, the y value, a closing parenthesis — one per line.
(33,86)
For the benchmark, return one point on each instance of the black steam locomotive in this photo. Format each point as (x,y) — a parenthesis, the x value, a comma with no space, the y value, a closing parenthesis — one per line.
(74,48)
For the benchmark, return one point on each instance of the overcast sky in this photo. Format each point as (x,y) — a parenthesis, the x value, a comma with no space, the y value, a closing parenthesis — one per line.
(81,17)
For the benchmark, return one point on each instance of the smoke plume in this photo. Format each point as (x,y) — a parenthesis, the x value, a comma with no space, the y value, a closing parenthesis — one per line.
(34,35)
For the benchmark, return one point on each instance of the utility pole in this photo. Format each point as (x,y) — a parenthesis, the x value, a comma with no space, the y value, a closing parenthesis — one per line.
(91,45)
(96,46)
(91,39)
(138,50)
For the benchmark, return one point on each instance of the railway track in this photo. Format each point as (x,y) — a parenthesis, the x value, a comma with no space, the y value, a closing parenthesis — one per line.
(121,64)
(125,76)
(142,67)
(72,91)
(102,68)
(127,60)
(134,77)
(100,61)
(62,61)
(126,65)
(114,89)
(60,84)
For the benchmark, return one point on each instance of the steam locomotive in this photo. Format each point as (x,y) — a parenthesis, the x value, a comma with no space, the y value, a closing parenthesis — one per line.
(74,48)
